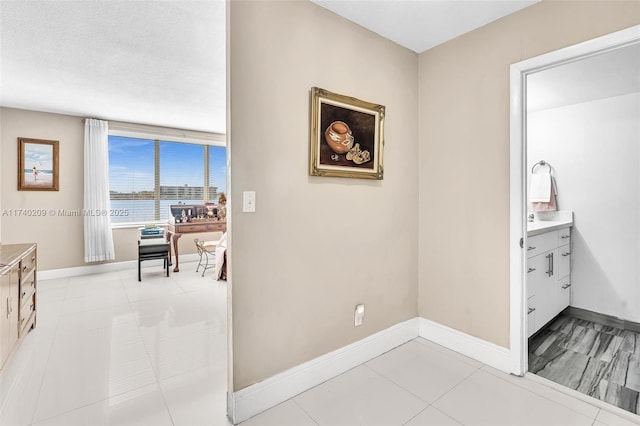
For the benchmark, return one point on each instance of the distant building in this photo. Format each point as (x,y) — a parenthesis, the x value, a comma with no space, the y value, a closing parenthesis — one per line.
(167,192)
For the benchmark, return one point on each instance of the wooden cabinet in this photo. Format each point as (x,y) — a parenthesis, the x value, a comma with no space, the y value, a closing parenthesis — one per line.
(548,277)
(10,314)
(18,296)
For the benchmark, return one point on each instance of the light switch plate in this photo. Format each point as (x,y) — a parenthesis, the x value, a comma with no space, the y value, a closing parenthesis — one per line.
(249,201)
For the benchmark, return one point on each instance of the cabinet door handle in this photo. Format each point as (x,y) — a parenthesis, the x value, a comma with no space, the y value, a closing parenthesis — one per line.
(531,310)
(552,264)
(531,270)
(530,248)
(548,257)
(564,237)
(566,286)
(8,307)
(24,293)
(567,253)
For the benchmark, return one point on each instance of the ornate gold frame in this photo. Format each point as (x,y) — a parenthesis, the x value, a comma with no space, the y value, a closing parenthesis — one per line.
(368,131)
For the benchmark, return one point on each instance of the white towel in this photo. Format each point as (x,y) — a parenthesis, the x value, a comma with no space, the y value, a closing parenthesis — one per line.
(540,190)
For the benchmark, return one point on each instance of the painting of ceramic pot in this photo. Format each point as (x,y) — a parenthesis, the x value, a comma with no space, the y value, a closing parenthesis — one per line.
(339,137)
(346,136)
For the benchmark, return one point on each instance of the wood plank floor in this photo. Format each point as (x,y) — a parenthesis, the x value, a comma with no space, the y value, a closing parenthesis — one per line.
(597,360)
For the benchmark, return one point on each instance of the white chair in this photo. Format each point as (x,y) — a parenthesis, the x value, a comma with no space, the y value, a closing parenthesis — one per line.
(206,250)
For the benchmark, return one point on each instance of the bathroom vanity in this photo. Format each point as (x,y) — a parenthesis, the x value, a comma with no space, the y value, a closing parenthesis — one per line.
(548,269)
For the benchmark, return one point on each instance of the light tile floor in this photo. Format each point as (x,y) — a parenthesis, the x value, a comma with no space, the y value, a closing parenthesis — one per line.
(109,350)
(421,383)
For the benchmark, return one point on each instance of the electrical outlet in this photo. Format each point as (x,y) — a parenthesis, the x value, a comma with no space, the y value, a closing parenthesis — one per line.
(358,315)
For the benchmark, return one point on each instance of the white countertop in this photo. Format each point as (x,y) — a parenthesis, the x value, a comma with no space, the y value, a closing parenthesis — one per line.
(553,221)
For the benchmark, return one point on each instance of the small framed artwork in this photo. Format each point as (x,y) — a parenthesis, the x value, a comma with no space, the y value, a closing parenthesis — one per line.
(346,136)
(37,165)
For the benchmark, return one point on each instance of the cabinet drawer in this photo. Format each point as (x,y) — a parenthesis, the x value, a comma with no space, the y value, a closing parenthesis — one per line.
(564,261)
(26,311)
(541,243)
(564,293)
(531,315)
(564,236)
(28,264)
(27,289)
(191,228)
(536,269)
(200,227)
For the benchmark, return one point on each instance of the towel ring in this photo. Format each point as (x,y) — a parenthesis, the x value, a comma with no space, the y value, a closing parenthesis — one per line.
(541,163)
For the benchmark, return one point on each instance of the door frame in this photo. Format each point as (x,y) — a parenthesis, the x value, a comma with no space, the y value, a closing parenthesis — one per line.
(518,174)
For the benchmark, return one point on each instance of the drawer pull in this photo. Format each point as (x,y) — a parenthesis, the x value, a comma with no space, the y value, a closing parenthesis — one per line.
(564,237)
(531,310)
(566,253)
(24,293)
(531,270)
(24,268)
(531,248)
(566,286)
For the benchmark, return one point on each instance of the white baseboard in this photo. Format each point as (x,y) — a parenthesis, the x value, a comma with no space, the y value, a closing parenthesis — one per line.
(52,274)
(473,347)
(261,396)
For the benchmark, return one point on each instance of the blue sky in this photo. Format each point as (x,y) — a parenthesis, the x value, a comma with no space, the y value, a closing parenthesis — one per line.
(39,155)
(131,164)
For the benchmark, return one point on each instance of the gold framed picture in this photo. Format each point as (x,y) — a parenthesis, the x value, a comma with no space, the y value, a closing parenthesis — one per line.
(38,165)
(347,136)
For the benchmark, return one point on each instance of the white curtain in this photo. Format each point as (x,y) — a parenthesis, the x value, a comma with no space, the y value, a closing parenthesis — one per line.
(98,239)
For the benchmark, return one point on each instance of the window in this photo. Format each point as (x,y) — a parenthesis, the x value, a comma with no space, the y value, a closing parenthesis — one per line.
(148,175)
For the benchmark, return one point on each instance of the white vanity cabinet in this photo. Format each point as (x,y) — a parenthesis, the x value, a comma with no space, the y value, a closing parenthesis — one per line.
(564,267)
(548,276)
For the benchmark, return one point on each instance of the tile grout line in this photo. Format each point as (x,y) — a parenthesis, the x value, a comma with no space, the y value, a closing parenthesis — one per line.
(146,351)
(302,408)
(46,364)
(103,399)
(450,390)
(595,419)
(543,396)
(388,379)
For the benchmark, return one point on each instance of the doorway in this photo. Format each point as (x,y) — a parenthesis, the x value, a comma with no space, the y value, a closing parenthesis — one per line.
(521,77)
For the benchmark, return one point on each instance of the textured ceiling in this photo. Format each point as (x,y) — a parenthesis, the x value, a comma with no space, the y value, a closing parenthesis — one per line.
(151,62)
(163,62)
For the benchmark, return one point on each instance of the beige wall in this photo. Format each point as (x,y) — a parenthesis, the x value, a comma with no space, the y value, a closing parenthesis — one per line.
(60,238)
(0,174)
(464,157)
(316,246)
